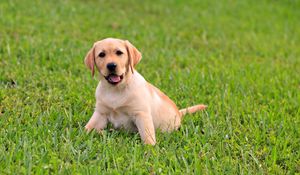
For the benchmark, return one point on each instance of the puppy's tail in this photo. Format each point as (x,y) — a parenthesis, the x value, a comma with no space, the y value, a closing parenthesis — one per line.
(192,109)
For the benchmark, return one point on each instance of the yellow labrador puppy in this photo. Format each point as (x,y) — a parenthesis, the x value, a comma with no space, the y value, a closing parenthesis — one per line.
(125,98)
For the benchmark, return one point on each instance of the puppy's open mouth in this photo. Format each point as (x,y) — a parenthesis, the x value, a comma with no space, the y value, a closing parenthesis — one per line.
(114,79)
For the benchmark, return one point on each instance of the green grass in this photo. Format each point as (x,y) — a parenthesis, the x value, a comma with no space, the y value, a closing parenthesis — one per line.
(241,58)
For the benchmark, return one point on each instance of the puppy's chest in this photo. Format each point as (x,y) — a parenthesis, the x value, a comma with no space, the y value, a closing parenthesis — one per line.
(114,101)
(117,106)
(119,113)
(121,119)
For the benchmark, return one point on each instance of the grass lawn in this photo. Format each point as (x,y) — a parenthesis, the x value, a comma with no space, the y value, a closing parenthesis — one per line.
(241,58)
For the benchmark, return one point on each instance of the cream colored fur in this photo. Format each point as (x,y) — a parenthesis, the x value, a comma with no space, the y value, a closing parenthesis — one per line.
(133,104)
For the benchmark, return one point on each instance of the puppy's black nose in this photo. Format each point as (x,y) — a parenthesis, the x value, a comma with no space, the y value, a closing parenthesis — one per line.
(111,66)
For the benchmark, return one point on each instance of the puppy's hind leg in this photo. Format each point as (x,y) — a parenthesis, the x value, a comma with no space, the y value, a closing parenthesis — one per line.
(97,121)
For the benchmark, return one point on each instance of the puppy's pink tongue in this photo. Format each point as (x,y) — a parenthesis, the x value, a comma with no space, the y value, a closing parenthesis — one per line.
(114,78)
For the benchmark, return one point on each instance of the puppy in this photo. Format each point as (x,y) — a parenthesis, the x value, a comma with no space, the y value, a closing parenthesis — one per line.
(124,98)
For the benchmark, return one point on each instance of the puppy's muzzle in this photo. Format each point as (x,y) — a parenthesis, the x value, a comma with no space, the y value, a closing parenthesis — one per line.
(114,79)
(111,66)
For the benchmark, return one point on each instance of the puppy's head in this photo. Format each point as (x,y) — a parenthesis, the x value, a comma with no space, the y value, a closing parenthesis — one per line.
(114,59)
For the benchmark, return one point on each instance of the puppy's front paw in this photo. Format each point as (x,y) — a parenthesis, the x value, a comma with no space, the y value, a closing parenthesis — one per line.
(88,128)
(150,141)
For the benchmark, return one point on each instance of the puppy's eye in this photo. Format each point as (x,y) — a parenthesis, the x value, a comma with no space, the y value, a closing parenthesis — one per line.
(119,52)
(101,54)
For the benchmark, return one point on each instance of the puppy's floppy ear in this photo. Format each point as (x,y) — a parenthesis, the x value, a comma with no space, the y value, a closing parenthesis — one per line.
(90,59)
(134,56)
